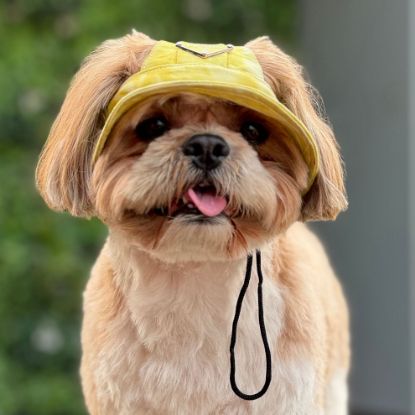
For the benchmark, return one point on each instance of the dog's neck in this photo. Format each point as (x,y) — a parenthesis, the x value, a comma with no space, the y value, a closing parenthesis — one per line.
(177,305)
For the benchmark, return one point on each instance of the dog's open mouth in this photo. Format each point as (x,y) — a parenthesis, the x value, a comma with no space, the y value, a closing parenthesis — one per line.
(201,200)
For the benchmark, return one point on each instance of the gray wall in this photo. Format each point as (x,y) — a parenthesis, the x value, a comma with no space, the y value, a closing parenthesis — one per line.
(357,54)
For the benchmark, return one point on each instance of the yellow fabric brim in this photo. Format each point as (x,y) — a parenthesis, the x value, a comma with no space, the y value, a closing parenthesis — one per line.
(219,82)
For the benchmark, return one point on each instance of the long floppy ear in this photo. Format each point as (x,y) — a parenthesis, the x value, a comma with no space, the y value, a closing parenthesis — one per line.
(64,168)
(327,196)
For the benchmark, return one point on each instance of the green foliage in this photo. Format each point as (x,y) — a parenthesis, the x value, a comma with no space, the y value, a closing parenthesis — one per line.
(45,257)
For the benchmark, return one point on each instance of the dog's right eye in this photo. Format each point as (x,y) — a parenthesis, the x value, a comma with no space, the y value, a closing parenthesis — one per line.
(152,128)
(254,132)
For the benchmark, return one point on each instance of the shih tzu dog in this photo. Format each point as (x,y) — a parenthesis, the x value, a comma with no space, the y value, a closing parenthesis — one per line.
(203,161)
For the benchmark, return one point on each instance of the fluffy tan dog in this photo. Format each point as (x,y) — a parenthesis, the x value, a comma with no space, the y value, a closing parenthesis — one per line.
(188,185)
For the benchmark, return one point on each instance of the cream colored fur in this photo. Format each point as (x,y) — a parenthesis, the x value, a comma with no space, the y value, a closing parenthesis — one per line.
(166,347)
(337,394)
(159,305)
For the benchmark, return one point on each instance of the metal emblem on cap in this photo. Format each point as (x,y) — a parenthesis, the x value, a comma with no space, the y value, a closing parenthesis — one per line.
(205,54)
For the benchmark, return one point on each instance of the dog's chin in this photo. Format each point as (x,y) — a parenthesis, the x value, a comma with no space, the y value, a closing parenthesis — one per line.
(192,236)
(195,237)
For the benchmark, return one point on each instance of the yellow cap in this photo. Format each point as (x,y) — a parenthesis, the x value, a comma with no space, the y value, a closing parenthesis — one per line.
(222,71)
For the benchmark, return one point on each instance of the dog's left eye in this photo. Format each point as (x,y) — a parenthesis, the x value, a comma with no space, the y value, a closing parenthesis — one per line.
(152,128)
(255,133)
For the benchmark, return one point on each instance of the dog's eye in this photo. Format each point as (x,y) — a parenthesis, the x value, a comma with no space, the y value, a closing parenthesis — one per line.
(254,132)
(152,128)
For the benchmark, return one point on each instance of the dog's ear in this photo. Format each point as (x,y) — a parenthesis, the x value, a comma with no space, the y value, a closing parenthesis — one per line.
(327,196)
(64,168)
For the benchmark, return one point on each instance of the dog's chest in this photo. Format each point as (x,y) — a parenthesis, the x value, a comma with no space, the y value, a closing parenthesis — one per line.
(175,357)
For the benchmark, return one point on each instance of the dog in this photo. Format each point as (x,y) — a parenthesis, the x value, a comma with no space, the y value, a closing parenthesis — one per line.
(196,157)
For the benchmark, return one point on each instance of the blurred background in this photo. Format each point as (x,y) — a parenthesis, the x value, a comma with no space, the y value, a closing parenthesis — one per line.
(358,53)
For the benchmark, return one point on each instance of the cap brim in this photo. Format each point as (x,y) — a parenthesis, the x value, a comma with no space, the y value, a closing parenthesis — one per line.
(256,97)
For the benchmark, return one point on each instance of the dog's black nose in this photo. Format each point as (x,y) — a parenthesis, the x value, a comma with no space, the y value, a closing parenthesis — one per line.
(206,150)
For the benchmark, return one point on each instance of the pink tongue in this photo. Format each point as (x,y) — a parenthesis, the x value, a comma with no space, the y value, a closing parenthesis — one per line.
(207,203)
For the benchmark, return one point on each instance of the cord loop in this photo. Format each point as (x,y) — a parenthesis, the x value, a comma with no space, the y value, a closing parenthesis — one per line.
(261,322)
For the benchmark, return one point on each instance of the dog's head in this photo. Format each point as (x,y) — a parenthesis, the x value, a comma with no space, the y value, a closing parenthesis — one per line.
(184,175)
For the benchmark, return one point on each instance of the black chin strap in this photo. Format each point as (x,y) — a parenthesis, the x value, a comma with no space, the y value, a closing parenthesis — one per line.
(261,326)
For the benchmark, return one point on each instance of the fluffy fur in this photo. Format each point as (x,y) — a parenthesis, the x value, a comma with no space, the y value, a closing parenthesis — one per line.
(160,301)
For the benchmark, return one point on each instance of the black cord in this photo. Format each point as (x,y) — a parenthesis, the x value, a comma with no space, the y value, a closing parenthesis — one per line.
(261,326)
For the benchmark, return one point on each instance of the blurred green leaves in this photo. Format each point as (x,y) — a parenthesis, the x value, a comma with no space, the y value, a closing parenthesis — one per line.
(44,262)
(45,257)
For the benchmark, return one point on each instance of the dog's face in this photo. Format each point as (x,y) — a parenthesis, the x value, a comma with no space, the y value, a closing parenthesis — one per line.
(187,177)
